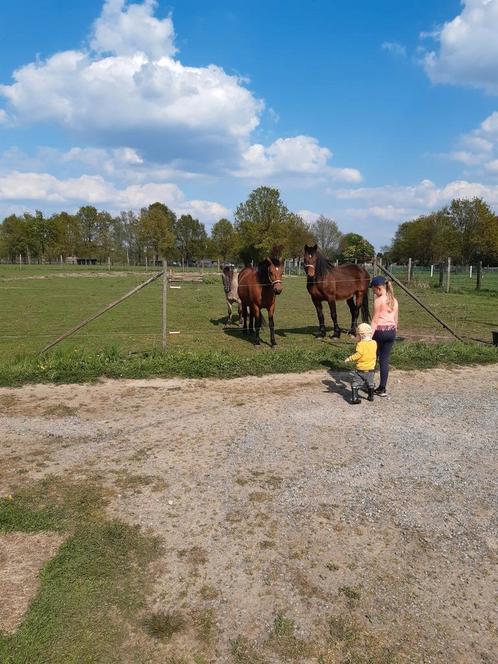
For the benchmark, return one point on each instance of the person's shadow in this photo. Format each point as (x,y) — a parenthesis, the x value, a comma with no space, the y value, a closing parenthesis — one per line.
(339,383)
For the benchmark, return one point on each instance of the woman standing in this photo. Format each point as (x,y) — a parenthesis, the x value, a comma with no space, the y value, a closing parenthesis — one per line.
(384,325)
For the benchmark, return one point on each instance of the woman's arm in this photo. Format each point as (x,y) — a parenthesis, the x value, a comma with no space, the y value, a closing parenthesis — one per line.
(396,309)
(376,313)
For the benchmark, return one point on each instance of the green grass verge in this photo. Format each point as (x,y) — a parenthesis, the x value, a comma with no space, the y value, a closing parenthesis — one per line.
(91,590)
(76,366)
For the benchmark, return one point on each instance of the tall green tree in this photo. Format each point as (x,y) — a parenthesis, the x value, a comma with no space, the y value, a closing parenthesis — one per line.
(477,226)
(355,247)
(260,223)
(298,233)
(190,238)
(224,240)
(156,226)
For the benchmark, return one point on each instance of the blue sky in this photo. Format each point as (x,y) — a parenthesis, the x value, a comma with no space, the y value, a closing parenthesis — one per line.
(370,113)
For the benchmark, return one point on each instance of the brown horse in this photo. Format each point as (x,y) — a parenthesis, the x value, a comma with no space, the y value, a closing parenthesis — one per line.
(328,283)
(258,288)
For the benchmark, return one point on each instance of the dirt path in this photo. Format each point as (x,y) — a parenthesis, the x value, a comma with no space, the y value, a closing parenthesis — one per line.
(372,527)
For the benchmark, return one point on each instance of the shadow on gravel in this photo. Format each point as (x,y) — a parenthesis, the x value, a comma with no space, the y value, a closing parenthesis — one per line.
(339,383)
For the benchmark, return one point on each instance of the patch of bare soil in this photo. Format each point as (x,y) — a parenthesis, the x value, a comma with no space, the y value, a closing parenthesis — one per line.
(296,527)
(22,555)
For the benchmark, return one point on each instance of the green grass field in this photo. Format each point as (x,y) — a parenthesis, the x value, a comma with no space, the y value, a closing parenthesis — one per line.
(38,303)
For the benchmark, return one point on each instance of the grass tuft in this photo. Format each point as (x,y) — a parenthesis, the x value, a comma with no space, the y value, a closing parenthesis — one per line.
(162,625)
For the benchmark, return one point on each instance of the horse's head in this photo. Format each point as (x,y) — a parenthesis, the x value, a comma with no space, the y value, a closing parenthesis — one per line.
(227,276)
(275,269)
(310,257)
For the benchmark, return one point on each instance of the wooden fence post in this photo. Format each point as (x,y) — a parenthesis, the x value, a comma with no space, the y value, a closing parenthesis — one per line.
(441,274)
(165,305)
(479,273)
(448,275)
(409,277)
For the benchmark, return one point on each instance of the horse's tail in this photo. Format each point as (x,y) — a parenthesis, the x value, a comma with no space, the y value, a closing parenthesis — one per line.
(365,313)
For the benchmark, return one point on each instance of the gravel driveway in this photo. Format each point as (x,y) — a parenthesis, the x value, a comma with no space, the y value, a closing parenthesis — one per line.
(308,529)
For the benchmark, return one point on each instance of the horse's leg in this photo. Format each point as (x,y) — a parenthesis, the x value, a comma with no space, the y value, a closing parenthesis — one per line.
(239,309)
(271,323)
(251,322)
(321,320)
(244,314)
(333,313)
(355,312)
(257,317)
(229,307)
(354,315)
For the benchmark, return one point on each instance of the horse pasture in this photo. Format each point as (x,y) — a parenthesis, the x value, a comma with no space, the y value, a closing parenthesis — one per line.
(261,519)
(41,302)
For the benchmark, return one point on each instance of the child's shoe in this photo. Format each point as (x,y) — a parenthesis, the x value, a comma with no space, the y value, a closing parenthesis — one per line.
(355,399)
(370,394)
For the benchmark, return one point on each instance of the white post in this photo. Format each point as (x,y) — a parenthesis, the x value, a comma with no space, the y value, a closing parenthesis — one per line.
(432,270)
(109,263)
(449,273)
(409,270)
(470,272)
(20,261)
(146,263)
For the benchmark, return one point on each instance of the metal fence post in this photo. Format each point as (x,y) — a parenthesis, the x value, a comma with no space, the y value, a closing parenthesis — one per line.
(165,304)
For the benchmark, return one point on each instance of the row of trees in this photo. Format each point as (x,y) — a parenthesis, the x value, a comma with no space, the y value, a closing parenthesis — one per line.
(466,231)
(260,222)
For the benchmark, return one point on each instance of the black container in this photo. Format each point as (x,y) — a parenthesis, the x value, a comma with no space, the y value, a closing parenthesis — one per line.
(495,337)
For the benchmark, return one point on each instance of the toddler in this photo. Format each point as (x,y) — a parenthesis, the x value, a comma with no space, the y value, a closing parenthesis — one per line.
(364,357)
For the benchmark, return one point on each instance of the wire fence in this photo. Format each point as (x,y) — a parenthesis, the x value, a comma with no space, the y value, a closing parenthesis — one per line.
(35,311)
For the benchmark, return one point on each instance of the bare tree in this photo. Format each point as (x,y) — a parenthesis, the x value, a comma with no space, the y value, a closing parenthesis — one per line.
(327,235)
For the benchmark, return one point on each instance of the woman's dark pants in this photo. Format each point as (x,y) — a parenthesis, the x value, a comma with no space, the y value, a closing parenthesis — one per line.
(385,340)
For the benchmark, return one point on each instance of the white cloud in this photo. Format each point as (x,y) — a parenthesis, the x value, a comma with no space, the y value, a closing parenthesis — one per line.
(467,51)
(399,203)
(394,48)
(146,114)
(296,156)
(95,190)
(308,216)
(128,29)
(138,94)
(478,149)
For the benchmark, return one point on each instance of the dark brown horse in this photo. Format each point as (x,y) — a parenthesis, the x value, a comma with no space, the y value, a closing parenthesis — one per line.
(328,283)
(258,288)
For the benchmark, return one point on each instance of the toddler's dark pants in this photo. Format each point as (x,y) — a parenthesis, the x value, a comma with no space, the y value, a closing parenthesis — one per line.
(385,340)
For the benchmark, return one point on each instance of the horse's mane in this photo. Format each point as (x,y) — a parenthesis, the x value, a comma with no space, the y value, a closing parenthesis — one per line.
(323,265)
(262,271)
